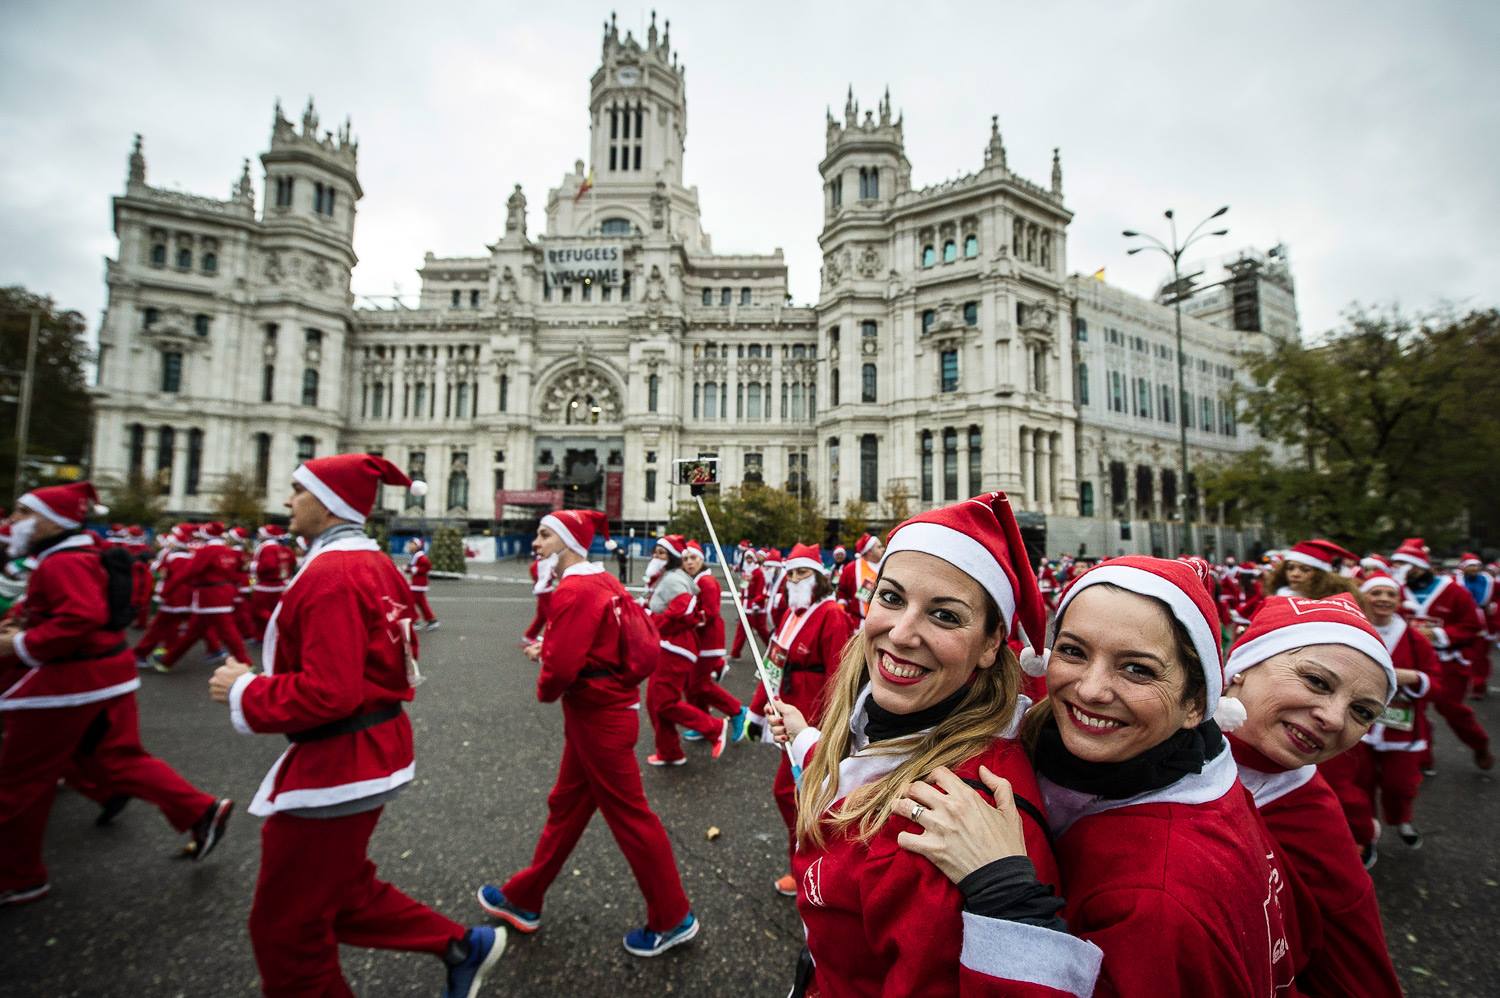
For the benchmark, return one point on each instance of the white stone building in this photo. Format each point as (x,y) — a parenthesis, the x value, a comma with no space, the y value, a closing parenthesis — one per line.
(938,360)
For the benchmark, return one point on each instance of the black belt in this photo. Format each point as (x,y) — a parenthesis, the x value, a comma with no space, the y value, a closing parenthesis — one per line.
(90,656)
(595,673)
(803,668)
(346,725)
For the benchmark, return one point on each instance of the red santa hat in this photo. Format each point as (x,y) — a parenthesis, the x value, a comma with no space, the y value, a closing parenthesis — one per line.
(208,530)
(272,532)
(804,556)
(135,532)
(1286,622)
(65,505)
(349,484)
(1469,558)
(1183,587)
(1373,562)
(840,550)
(1320,554)
(1378,579)
(771,556)
(1413,551)
(693,546)
(863,544)
(980,538)
(577,528)
(673,544)
(239,533)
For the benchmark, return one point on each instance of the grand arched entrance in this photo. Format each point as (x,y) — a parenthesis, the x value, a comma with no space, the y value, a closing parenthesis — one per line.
(579,448)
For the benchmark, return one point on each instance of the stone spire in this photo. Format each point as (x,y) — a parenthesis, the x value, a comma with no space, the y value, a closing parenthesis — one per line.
(651,33)
(310,120)
(244,191)
(1057,172)
(994,153)
(851,109)
(885,107)
(137,174)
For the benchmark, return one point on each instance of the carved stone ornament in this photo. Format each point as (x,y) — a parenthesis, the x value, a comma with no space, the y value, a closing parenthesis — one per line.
(275,274)
(869,262)
(584,385)
(508,289)
(319,276)
(833,274)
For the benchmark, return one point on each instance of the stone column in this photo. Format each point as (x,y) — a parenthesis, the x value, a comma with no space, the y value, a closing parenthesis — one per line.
(1054,448)
(1044,471)
(1026,466)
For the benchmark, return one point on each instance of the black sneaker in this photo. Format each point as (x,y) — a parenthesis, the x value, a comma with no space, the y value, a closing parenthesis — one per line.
(1410,835)
(1368,856)
(110,808)
(21,895)
(209,829)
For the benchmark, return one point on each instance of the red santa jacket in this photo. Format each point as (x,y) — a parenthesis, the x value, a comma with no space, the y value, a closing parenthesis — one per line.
(214,574)
(417,570)
(849,590)
(176,584)
(64,656)
(274,565)
(711,631)
(336,647)
(755,591)
(581,645)
(1341,943)
(1179,887)
(807,646)
(1456,623)
(1404,725)
(881,920)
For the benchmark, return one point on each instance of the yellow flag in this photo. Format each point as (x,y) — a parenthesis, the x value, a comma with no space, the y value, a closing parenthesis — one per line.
(1099,274)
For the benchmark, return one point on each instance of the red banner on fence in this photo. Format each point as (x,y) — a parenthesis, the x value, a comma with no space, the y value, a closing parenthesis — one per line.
(550,498)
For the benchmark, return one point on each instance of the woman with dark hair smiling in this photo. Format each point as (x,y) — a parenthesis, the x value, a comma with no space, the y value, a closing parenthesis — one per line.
(1312,676)
(1166,867)
(928,686)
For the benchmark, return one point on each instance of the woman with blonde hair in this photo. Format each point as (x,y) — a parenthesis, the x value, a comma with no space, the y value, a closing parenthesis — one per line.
(927,688)
(1313,569)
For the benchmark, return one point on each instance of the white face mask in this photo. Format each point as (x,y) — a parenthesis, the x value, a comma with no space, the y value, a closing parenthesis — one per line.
(20,537)
(654,568)
(799,594)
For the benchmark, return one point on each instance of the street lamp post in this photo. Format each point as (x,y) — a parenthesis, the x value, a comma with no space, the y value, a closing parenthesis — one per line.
(1175,253)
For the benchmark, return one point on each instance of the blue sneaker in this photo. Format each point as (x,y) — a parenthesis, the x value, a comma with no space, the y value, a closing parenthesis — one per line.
(644,942)
(691,736)
(493,901)
(485,947)
(737,725)
(219,657)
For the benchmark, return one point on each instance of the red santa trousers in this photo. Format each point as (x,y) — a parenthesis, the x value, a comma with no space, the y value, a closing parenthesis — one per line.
(419,600)
(599,771)
(1448,695)
(664,702)
(244,623)
(101,744)
(317,888)
(213,626)
(1480,670)
(1351,774)
(706,694)
(261,606)
(762,634)
(784,789)
(165,628)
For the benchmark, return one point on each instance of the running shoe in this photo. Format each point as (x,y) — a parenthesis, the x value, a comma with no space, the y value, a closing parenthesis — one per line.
(21,895)
(786,886)
(691,736)
(644,942)
(1410,835)
(485,946)
(494,902)
(209,829)
(723,740)
(740,724)
(655,760)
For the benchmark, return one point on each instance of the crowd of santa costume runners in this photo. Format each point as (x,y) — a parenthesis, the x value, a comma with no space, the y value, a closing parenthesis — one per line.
(998,775)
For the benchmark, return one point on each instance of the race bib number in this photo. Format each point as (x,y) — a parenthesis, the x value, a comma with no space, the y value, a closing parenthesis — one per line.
(1399,718)
(866,591)
(775,665)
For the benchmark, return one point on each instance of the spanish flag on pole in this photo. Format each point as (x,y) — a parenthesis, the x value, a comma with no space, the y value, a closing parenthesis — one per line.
(585,187)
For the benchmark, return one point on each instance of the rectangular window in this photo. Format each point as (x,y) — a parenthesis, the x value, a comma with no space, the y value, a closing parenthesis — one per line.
(1187,410)
(869,468)
(263,462)
(867,383)
(711,400)
(950,466)
(976,454)
(724,296)
(653,393)
(171,371)
(166,444)
(310,386)
(457,298)
(927,466)
(137,449)
(1206,410)
(194,461)
(473,299)
(1081,329)
(267,382)
(950,371)
(755,468)
(869,330)
(1085,498)
(1083,384)
(651,485)
(307,448)
(744,296)
(833,388)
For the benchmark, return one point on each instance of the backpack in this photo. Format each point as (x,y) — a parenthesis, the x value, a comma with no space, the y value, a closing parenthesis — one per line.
(120,590)
(640,645)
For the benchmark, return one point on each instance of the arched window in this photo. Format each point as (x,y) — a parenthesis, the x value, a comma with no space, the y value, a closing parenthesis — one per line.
(210,263)
(927,466)
(615,227)
(310,386)
(200,324)
(928,317)
(159,255)
(184,259)
(653,392)
(971,247)
(867,383)
(950,251)
(744,296)
(929,256)
(971,313)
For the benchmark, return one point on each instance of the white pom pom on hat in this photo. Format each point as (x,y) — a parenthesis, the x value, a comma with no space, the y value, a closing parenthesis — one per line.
(418,488)
(1035,665)
(610,545)
(1229,714)
(100,509)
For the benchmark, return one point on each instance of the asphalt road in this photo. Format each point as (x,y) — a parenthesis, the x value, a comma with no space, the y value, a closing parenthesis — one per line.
(126,917)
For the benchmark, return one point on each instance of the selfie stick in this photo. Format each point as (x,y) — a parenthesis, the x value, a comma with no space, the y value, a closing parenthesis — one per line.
(739,608)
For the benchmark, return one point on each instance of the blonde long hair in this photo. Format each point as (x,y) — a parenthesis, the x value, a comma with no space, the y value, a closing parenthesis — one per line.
(982,715)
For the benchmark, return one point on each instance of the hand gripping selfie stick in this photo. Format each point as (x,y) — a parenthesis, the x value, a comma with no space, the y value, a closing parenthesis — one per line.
(739,608)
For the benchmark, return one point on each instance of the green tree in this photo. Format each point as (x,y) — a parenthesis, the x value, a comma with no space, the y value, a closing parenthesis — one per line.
(135,500)
(59,430)
(855,521)
(448,550)
(897,504)
(240,500)
(1383,429)
(763,514)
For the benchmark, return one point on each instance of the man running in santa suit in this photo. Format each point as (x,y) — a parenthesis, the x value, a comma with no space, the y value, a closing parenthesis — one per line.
(418,567)
(214,575)
(581,658)
(274,565)
(543,581)
(67,693)
(857,583)
(1481,586)
(174,610)
(1445,614)
(340,660)
(755,598)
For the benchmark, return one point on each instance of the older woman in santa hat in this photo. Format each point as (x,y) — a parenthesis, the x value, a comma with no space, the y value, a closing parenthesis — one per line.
(1387,762)
(1166,868)
(1312,677)
(928,689)
(674,610)
(805,651)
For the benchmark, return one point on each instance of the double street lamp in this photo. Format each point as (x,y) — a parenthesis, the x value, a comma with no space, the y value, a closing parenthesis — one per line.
(1175,253)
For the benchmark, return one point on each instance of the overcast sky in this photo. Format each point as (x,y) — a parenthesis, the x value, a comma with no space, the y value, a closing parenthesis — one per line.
(1364,135)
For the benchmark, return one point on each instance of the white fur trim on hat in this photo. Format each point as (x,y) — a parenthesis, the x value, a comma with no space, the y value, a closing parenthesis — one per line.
(1320,632)
(962,552)
(336,503)
(1378,582)
(552,523)
(1308,560)
(1138,580)
(1411,559)
(662,543)
(795,563)
(31,502)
